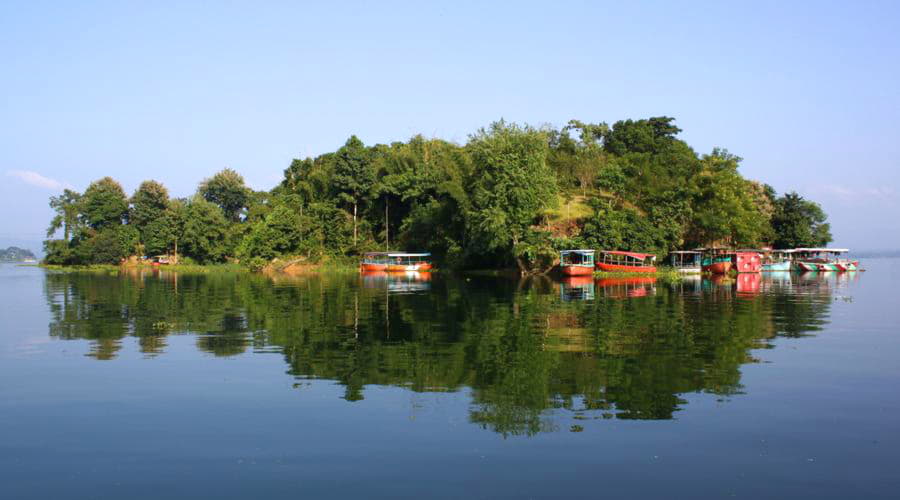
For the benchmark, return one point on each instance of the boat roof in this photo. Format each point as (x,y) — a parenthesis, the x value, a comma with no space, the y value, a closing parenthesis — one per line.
(636,255)
(685,251)
(580,250)
(397,254)
(830,250)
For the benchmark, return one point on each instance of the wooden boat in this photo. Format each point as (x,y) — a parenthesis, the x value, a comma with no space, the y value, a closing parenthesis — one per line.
(404,262)
(776,261)
(615,261)
(823,260)
(393,262)
(374,262)
(576,262)
(686,261)
(716,261)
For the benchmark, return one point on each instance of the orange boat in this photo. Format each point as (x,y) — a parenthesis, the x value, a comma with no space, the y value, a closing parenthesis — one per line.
(576,262)
(716,260)
(629,262)
(374,262)
(395,262)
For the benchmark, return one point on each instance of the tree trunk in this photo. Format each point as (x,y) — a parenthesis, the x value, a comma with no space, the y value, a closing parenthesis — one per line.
(176,249)
(354,223)
(387,227)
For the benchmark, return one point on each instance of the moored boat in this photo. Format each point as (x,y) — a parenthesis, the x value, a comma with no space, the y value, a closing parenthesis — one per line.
(374,262)
(405,262)
(576,262)
(686,261)
(776,261)
(823,260)
(616,261)
(747,261)
(395,262)
(716,261)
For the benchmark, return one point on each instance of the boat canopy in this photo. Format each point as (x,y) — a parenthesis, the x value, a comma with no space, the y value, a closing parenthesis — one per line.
(821,250)
(680,252)
(396,254)
(579,251)
(635,255)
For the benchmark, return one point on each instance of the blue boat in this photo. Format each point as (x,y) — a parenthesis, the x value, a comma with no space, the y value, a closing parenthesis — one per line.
(776,260)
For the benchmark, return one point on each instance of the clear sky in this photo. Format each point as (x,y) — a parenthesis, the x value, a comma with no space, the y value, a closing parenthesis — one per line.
(808,93)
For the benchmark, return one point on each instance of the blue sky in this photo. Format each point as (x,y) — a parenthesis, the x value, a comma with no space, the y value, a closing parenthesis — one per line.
(808,93)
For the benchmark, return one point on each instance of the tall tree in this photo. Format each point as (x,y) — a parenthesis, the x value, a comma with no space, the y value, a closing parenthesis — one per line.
(354,176)
(104,204)
(148,215)
(798,222)
(66,207)
(512,186)
(205,231)
(724,207)
(227,190)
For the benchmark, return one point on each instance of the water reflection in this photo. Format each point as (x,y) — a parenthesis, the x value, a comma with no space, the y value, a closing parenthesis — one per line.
(531,352)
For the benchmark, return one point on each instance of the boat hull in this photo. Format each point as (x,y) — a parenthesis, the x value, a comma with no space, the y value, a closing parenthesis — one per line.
(721,267)
(403,268)
(616,268)
(577,270)
(373,268)
(777,267)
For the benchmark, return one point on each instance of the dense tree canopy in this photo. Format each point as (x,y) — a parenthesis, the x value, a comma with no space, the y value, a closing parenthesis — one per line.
(511,196)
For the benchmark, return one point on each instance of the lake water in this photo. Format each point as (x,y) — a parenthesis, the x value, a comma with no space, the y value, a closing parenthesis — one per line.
(156,385)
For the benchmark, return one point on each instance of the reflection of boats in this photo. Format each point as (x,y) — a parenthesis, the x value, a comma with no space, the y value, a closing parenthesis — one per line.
(620,288)
(407,282)
(629,262)
(716,261)
(777,278)
(686,261)
(748,283)
(823,259)
(395,262)
(576,262)
(576,288)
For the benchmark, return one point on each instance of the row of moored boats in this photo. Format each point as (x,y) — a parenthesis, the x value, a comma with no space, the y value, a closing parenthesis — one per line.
(709,260)
(583,262)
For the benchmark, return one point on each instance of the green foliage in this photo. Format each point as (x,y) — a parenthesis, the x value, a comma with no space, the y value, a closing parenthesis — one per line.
(511,196)
(227,190)
(205,230)
(104,204)
(798,222)
(109,245)
(149,214)
(611,228)
(726,210)
(66,207)
(514,184)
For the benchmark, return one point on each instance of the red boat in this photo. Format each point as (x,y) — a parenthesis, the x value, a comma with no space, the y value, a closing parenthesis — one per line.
(747,261)
(614,261)
(374,262)
(716,261)
(576,262)
(393,262)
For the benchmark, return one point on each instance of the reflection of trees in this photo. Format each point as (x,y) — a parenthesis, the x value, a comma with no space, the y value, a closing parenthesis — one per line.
(520,349)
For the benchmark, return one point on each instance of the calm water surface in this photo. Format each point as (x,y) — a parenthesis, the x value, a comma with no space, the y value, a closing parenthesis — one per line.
(159,385)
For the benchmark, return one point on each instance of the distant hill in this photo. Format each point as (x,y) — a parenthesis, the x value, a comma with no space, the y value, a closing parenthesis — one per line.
(16,254)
